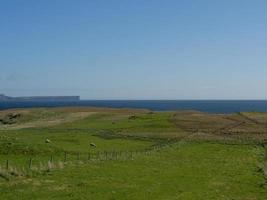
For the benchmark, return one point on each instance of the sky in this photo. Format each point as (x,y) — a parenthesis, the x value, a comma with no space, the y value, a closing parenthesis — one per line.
(134,49)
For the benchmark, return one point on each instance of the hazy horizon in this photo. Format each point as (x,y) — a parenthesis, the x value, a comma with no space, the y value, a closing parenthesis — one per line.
(134,50)
(142,99)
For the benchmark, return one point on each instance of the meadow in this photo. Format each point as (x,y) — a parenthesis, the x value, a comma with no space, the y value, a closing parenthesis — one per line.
(118,154)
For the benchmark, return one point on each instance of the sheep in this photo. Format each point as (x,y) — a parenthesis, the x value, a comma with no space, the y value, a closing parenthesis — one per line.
(93,145)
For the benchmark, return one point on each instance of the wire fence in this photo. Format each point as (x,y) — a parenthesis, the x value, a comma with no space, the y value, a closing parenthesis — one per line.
(32,165)
(38,165)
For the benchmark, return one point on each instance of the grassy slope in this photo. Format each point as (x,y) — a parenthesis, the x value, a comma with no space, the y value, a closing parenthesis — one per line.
(190,170)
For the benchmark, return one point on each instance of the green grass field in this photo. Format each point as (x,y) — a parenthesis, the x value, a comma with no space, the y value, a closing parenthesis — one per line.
(118,154)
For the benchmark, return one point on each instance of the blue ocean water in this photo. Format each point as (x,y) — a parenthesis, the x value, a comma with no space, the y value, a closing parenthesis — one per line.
(211,106)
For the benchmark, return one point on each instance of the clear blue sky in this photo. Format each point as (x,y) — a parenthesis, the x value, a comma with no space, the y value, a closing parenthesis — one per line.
(134,49)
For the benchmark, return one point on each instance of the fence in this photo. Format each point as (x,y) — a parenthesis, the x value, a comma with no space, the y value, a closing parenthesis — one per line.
(31,165)
(9,169)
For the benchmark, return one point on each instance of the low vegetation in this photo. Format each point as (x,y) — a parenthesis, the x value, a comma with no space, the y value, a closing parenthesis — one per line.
(101,153)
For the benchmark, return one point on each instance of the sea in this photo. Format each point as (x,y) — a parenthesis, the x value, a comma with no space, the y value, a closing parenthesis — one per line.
(210,106)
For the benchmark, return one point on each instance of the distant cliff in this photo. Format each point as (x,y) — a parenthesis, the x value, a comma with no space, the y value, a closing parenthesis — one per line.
(40,98)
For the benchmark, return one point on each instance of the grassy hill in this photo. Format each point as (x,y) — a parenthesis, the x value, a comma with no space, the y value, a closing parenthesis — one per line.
(101,153)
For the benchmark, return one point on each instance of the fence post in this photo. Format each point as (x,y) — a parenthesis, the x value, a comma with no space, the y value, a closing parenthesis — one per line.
(30,163)
(7,164)
(106,155)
